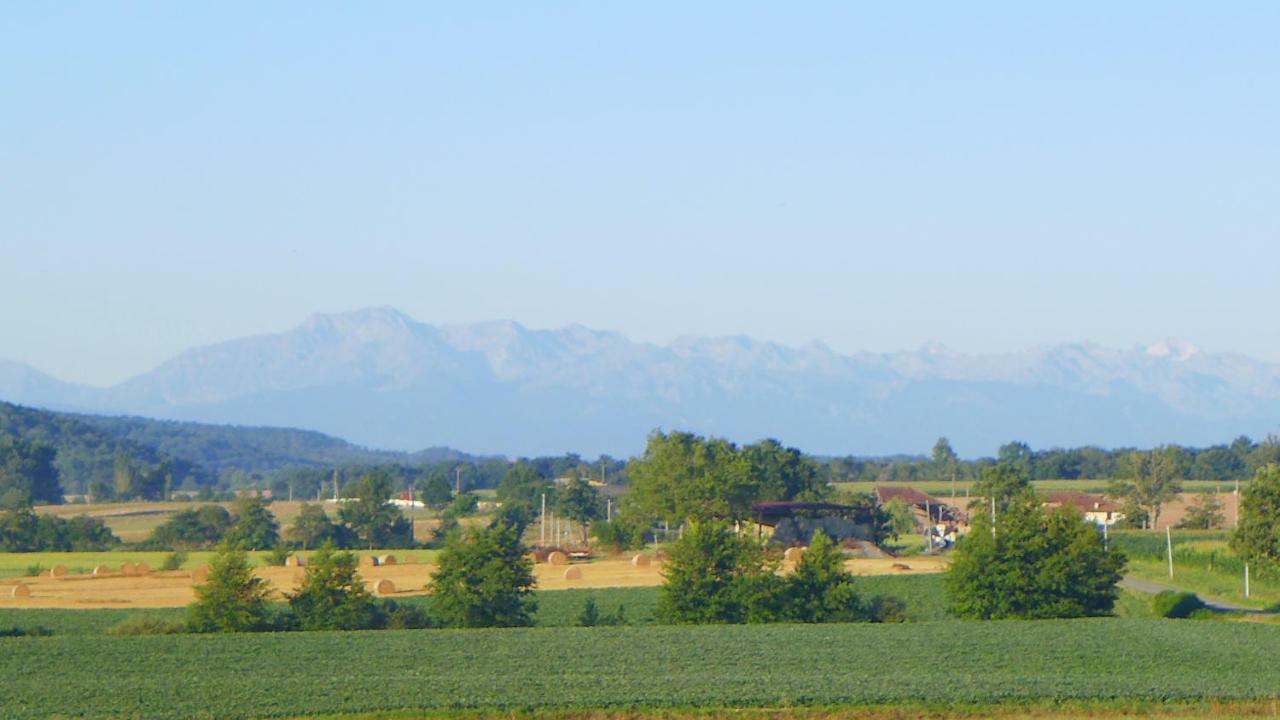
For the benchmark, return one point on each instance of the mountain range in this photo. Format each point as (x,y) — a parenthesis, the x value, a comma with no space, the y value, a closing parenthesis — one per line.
(381,379)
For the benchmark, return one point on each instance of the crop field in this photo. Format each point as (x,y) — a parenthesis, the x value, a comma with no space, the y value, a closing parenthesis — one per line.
(241,676)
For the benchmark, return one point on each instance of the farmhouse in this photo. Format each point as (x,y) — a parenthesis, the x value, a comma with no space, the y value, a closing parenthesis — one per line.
(1097,508)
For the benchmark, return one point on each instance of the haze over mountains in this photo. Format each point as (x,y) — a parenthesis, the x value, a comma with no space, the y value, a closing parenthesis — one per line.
(381,379)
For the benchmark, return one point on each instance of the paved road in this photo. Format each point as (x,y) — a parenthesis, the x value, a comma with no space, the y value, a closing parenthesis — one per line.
(1146,586)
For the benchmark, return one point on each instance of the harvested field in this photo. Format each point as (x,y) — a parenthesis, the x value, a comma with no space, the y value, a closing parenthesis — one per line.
(157,589)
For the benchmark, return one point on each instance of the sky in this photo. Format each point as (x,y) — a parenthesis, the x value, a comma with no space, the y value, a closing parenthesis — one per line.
(876,176)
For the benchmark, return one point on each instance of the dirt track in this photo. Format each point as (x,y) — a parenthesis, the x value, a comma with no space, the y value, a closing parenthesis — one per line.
(174,588)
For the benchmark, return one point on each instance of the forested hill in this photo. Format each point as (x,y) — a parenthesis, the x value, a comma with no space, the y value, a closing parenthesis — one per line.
(251,449)
(88,447)
(86,454)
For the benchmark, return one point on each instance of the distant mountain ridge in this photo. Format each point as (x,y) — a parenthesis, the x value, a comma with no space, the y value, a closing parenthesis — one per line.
(381,379)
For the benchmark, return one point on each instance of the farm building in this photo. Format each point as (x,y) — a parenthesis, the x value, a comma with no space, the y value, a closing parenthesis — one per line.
(793,523)
(941,522)
(1097,508)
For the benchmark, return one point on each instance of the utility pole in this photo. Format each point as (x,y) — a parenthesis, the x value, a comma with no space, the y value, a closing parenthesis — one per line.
(335,484)
(457,480)
(1168,542)
(542,533)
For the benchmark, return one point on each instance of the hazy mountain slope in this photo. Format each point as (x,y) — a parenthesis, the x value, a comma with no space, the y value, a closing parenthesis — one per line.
(381,379)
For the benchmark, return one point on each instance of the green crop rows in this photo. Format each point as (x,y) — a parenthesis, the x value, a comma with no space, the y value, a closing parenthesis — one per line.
(655,666)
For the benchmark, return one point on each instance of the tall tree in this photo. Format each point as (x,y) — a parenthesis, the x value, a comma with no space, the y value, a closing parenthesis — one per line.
(782,473)
(27,474)
(233,599)
(523,486)
(1032,564)
(255,526)
(1257,535)
(434,489)
(580,502)
(1153,478)
(1002,483)
(682,476)
(332,595)
(1017,455)
(946,464)
(371,516)
(712,575)
(483,579)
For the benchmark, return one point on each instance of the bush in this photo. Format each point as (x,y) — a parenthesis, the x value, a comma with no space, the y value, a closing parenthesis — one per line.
(1171,604)
(333,596)
(591,617)
(1033,565)
(278,556)
(147,625)
(174,560)
(714,576)
(887,609)
(34,631)
(233,599)
(397,616)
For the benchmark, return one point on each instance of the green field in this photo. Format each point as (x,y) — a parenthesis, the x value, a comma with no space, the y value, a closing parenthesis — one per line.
(239,676)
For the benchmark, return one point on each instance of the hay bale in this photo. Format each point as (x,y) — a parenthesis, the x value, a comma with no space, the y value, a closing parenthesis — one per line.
(128,569)
(100,570)
(386,559)
(368,561)
(384,587)
(793,554)
(573,573)
(409,560)
(58,571)
(557,558)
(200,574)
(901,566)
(20,591)
(640,560)
(142,569)
(295,561)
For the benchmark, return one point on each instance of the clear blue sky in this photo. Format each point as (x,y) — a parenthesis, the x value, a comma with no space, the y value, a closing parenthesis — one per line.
(875,175)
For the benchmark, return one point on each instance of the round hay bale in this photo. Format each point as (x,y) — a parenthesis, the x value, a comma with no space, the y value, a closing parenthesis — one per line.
(409,560)
(573,573)
(100,570)
(20,591)
(58,571)
(386,559)
(200,574)
(793,554)
(295,561)
(368,561)
(141,569)
(557,558)
(384,587)
(640,560)
(128,569)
